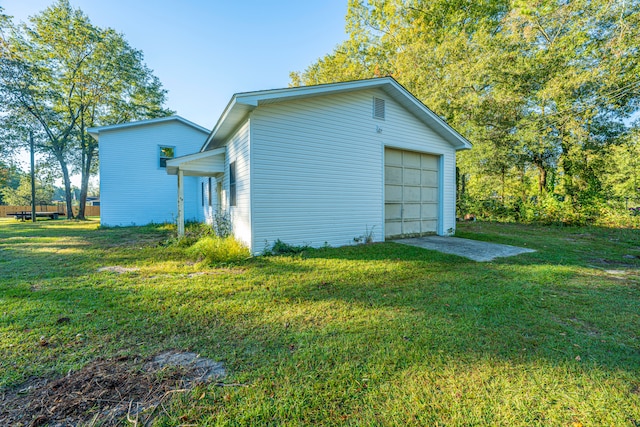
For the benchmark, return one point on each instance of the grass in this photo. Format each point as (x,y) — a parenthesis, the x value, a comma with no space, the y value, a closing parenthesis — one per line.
(379,334)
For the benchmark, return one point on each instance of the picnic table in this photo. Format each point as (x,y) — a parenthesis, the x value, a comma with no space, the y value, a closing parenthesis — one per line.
(23,215)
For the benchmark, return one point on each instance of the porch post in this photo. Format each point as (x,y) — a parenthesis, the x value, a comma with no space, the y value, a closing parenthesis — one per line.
(180,203)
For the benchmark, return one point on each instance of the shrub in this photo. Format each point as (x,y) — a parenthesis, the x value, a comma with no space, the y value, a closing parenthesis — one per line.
(222,224)
(219,250)
(281,248)
(193,231)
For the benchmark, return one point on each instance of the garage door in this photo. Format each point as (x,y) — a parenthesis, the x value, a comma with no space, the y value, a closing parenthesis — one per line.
(410,193)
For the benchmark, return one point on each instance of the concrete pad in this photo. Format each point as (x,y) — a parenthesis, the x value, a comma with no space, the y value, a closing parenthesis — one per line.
(472,249)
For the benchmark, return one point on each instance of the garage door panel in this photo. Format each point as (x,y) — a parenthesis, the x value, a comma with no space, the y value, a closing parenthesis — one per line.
(393,175)
(393,157)
(430,226)
(430,178)
(411,211)
(429,194)
(410,159)
(393,193)
(411,193)
(411,227)
(393,228)
(429,162)
(429,210)
(411,176)
(393,211)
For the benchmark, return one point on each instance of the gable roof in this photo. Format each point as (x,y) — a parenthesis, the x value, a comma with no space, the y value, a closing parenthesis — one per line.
(243,103)
(96,131)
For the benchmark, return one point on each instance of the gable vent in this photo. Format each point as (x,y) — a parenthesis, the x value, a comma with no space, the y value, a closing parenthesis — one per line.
(378,108)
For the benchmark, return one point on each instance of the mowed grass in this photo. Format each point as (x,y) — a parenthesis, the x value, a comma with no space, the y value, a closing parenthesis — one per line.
(379,334)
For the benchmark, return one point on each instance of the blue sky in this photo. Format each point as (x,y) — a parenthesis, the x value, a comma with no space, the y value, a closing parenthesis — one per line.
(205,51)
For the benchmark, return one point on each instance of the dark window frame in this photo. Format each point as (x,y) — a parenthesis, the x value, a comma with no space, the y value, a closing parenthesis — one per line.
(233,196)
(163,159)
(210,193)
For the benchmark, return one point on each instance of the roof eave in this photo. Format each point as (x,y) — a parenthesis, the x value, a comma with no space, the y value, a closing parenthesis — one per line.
(96,131)
(242,104)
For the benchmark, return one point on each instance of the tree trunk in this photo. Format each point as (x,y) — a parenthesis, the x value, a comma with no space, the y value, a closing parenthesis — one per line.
(542,179)
(84,184)
(67,186)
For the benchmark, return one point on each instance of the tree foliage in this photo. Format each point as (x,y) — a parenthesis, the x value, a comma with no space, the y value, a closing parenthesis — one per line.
(10,176)
(60,75)
(544,89)
(21,195)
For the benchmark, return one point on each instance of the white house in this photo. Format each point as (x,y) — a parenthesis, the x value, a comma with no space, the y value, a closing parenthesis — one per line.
(134,186)
(316,165)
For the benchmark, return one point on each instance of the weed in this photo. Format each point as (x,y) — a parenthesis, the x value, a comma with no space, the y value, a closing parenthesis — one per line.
(222,224)
(193,231)
(365,238)
(216,250)
(281,248)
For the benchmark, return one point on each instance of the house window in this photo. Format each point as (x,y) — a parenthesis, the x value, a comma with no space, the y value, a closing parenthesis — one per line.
(232,184)
(378,108)
(202,193)
(166,153)
(210,195)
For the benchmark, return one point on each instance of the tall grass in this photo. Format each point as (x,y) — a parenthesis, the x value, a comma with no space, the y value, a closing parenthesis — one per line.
(215,250)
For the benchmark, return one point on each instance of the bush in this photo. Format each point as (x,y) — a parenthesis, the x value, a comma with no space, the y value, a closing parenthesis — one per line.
(218,250)
(193,231)
(222,224)
(281,248)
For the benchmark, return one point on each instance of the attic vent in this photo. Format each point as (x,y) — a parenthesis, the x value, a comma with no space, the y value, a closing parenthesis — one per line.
(378,108)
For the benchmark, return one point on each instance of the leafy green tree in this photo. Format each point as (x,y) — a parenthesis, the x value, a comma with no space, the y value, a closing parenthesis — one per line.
(60,75)
(541,88)
(21,195)
(10,176)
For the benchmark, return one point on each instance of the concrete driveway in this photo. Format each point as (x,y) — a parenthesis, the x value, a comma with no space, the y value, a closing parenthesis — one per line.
(472,249)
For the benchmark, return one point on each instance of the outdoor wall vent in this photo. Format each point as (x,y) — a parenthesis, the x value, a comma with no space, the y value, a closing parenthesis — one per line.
(378,108)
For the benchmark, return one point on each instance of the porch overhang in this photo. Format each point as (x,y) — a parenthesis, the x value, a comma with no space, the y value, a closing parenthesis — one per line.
(204,163)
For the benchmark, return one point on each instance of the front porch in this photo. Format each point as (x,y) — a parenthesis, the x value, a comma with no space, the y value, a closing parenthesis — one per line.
(204,164)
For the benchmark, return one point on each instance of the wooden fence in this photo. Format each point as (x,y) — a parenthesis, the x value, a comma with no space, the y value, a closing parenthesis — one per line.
(89,210)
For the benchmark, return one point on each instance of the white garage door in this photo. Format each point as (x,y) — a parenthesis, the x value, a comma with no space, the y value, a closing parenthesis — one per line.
(410,193)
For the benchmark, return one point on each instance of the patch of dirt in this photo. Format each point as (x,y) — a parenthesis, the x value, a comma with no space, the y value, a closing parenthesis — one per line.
(118,269)
(611,263)
(107,392)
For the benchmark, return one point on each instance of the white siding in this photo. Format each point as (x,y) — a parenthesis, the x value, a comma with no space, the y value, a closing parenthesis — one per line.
(134,189)
(206,211)
(404,131)
(317,167)
(238,151)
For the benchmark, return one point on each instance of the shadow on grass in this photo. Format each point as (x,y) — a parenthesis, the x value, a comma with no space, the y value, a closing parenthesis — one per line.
(370,304)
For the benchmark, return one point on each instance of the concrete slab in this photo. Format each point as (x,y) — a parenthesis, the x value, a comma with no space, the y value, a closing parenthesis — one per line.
(472,249)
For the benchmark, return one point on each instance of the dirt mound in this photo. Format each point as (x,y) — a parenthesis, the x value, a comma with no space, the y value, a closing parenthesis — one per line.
(107,391)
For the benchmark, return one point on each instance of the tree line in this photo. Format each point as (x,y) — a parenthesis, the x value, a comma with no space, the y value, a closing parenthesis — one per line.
(546,90)
(61,75)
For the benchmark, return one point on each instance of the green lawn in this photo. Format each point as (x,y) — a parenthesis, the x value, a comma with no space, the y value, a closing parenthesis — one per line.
(379,334)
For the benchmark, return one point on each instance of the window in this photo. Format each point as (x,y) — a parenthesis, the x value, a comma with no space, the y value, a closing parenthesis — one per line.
(232,184)
(210,195)
(378,108)
(202,193)
(166,153)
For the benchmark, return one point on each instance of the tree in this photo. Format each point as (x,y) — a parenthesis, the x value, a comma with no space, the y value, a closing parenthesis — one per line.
(60,75)
(10,176)
(540,88)
(21,195)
